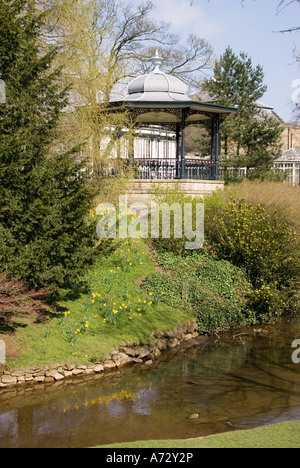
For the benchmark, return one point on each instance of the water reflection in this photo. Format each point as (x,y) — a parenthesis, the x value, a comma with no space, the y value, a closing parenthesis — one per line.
(238,382)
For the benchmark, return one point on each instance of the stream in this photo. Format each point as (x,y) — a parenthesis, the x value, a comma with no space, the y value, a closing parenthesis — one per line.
(240,380)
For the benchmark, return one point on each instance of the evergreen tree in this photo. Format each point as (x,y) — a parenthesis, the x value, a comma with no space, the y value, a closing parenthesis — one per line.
(45,238)
(253,138)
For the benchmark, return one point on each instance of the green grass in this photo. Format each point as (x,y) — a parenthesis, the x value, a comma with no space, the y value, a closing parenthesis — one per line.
(118,282)
(282,435)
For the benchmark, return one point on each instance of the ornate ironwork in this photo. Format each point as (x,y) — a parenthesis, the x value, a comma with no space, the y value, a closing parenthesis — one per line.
(168,169)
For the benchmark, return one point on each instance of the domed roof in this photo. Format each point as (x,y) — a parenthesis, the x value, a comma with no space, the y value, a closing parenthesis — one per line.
(157,86)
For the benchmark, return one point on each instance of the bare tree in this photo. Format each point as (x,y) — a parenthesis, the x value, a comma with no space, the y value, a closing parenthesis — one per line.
(189,61)
(103,44)
(281,6)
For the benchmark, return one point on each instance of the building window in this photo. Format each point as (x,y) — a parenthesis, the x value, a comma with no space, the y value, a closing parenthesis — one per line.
(142,148)
(147,148)
(165,149)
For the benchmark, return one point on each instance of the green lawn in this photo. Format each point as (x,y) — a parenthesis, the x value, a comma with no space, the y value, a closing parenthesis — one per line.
(114,286)
(283,435)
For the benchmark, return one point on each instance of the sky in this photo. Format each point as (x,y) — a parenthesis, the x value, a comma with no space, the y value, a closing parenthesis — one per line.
(252,28)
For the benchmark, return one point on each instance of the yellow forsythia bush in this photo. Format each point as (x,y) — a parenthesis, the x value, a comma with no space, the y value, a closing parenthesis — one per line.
(249,237)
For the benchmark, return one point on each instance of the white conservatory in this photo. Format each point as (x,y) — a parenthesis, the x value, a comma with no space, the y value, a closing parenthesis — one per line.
(289,163)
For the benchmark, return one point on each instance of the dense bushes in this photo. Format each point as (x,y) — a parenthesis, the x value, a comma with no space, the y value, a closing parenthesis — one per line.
(256,235)
(250,238)
(215,290)
(281,199)
(260,237)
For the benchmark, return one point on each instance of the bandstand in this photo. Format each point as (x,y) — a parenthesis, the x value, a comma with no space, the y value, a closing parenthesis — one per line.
(160,101)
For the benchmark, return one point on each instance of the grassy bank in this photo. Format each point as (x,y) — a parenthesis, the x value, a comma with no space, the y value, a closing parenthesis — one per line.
(132,292)
(113,310)
(283,435)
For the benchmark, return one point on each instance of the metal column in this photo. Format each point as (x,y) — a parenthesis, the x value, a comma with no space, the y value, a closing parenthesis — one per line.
(183,126)
(217,148)
(177,151)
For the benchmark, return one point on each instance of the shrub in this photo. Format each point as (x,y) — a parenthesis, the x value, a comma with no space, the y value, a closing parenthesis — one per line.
(219,295)
(215,290)
(264,303)
(227,281)
(16,301)
(261,243)
(162,283)
(176,242)
(214,316)
(170,261)
(256,226)
(277,198)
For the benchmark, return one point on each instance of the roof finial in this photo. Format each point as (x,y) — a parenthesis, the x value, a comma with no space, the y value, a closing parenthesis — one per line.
(157,61)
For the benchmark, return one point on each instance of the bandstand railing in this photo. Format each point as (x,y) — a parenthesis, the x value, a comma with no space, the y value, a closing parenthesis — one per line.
(160,169)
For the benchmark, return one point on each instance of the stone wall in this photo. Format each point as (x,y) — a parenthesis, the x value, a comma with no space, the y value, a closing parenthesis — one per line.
(126,354)
(141,191)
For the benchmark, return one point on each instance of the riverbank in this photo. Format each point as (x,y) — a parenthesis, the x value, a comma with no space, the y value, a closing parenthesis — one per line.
(234,381)
(139,301)
(282,435)
(87,328)
(127,355)
(134,296)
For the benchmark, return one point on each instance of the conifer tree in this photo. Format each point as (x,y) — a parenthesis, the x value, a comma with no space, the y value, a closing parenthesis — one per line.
(45,238)
(253,138)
